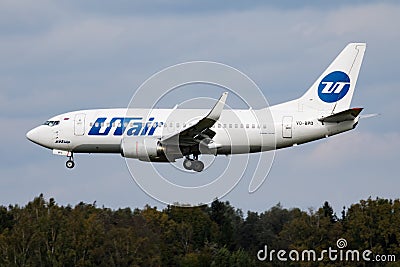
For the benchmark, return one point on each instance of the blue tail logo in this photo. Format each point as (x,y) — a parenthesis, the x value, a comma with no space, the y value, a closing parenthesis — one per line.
(334,86)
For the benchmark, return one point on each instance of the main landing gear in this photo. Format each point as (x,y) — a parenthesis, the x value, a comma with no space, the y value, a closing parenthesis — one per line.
(193,164)
(70,162)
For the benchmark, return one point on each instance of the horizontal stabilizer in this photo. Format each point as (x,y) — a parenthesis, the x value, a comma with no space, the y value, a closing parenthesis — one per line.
(346,115)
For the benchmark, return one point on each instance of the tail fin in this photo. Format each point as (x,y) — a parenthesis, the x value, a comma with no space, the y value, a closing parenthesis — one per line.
(334,89)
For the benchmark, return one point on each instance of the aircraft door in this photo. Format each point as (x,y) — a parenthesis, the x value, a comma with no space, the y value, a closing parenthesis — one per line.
(287,126)
(79,125)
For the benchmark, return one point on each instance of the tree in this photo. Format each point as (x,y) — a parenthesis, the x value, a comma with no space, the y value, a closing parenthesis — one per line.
(374,225)
(328,212)
(228,221)
(42,233)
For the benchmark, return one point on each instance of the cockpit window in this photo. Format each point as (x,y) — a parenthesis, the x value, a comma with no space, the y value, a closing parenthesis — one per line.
(51,123)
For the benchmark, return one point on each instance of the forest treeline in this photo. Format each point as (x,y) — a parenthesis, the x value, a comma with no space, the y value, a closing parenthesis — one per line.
(43,233)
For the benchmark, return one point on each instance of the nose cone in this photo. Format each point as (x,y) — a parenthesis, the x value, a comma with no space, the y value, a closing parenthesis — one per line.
(40,136)
(33,135)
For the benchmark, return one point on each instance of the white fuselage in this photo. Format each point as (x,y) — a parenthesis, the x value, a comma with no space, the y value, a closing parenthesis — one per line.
(237,131)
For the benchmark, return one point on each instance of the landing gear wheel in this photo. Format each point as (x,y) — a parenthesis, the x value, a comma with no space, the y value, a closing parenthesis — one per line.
(188,164)
(193,164)
(198,166)
(70,164)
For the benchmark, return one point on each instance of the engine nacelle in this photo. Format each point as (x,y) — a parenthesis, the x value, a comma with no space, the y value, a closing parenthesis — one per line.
(142,148)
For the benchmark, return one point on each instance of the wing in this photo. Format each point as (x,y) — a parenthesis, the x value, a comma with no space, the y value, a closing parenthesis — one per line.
(201,130)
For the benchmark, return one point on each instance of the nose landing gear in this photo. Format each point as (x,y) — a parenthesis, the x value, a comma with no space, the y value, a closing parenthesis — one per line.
(70,162)
(193,164)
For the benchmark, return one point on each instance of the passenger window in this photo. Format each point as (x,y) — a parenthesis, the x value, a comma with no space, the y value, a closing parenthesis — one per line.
(236,125)
(247,126)
(253,126)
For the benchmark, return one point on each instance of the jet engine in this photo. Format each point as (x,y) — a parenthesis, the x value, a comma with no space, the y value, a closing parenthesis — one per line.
(143,148)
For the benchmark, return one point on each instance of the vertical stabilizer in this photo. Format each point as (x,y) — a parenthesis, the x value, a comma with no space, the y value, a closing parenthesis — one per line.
(334,89)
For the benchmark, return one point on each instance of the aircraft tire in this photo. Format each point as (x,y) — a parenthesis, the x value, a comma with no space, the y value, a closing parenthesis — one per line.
(198,166)
(70,164)
(188,164)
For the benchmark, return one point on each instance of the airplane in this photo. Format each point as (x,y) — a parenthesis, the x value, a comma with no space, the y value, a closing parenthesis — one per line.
(165,135)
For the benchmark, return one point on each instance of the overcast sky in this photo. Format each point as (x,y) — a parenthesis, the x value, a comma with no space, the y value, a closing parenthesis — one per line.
(59,56)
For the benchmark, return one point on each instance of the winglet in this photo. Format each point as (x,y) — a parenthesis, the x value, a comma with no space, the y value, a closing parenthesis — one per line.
(216,111)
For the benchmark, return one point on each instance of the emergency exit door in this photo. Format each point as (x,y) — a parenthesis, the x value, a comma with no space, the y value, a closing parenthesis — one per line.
(79,128)
(287,126)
